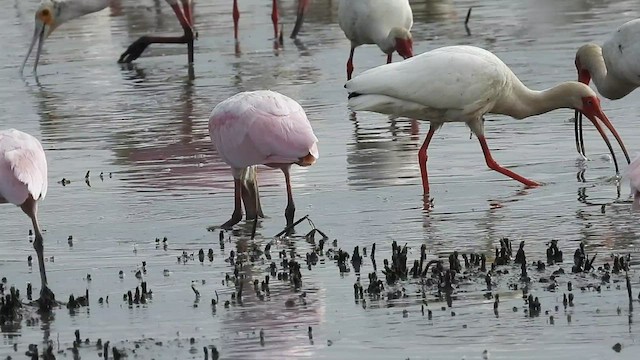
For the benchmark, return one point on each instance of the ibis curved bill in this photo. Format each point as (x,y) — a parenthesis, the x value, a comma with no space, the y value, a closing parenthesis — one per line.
(461,84)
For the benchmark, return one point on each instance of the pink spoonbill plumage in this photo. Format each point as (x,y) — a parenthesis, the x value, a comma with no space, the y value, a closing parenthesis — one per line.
(261,127)
(386,23)
(462,84)
(23,181)
(614,68)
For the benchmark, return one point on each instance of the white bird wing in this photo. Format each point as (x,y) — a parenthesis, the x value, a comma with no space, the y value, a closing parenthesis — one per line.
(633,174)
(621,52)
(261,127)
(369,21)
(24,155)
(453,81)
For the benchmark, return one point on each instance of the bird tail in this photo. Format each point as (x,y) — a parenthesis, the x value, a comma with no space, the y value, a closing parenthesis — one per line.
(250,192)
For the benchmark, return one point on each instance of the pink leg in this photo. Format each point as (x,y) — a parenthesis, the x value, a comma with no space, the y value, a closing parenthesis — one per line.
(389,56)
(422,160)
(493,165)
(236,17)
(274,18)
(350,63)
(186,5)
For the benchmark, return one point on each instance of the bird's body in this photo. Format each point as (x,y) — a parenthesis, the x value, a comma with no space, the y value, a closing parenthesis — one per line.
(614,67)
(23,181)
(633,174)
(385,23)
(461,84)
(261,127)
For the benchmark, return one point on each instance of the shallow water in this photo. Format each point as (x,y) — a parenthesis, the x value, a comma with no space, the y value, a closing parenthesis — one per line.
(146,125)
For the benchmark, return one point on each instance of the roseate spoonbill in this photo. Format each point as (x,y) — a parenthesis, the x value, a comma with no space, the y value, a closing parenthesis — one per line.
(53,13)
(386,23)
(633,174)
(23,181)
(462,83)
(261,127)
(614,68)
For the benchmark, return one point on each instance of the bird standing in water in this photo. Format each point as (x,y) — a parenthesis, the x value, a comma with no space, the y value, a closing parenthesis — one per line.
(261,127)
(386,23)
(23,181)
(461,84)
(614,68)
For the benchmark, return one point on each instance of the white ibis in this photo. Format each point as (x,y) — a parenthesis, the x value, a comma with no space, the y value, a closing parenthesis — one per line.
(461,84)
(386,23)
(23,181)
(614,68)
(261,127)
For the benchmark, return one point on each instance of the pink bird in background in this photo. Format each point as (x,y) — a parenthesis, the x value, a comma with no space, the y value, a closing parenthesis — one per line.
(23,181)
(261,127)
(633,174)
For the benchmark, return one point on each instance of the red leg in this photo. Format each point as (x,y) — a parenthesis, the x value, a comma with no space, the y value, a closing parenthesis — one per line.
(236,17)
(422,159)
(186,5)
(389,56)
(350,63)
(493,165)
(274,18)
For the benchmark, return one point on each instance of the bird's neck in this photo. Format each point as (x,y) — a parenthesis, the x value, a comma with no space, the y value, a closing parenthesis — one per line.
(607,83)
(522,102)
(71,9)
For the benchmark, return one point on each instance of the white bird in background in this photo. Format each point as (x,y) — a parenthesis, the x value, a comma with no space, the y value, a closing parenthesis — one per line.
(633,174)
(614,68)
(261,127)
(23,181)
(461,84)
(53,13)
(386,23)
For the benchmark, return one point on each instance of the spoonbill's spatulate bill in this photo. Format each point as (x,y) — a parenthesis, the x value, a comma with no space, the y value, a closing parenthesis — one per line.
(386,23)
(261,127)
(461,84)
(23,181)
(53,13)
(614,68)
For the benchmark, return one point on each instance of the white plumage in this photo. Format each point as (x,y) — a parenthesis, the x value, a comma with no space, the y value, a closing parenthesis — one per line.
(461,84)
(23,167)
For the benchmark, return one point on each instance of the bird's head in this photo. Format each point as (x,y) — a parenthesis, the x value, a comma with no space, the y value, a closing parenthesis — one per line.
(403,42)
(585,101)
(47,19)
(583,57)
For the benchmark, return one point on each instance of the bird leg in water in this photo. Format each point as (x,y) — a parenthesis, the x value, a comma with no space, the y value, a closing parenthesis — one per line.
(290,210)
(274,19)
(493,165)
(350,63)
(236,17)
(137,48)
(237,209)
(47,298)
(422,159)
(303,5)
(389,57)
(251,194)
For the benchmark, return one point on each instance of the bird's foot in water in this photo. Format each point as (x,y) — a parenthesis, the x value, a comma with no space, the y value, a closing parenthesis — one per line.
(428,202)
(47,300)
(134,50)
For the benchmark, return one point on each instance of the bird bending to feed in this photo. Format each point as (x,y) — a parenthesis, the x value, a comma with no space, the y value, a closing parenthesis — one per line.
(23,181)
(614,68)
(303,6)
(461,84)
(633,174)
(261,127)
(386,23)
(53,13)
